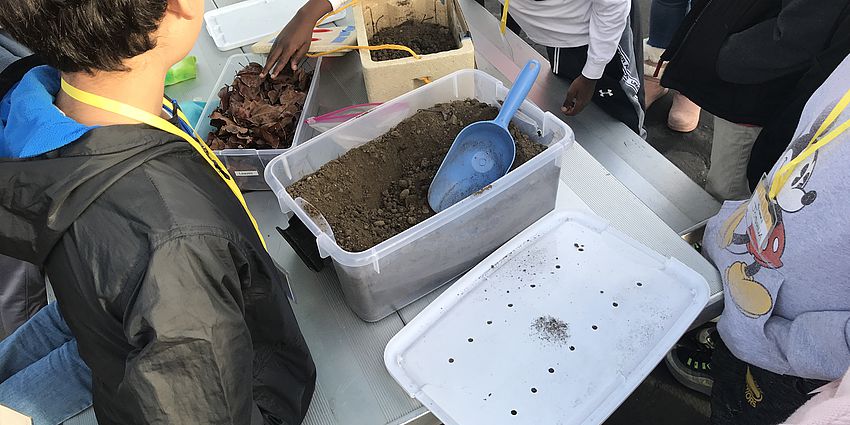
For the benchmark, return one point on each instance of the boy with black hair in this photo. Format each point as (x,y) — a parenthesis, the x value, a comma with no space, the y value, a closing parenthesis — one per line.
(159,269)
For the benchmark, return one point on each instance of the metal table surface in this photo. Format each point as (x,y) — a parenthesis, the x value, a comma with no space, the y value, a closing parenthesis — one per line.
(611,172)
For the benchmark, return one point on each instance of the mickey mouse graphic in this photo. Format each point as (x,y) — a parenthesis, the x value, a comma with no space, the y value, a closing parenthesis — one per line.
(750,296)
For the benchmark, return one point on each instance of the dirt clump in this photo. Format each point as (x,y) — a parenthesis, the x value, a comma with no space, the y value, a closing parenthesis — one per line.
(257,112)
(423,38)
(380,189)
(551,329)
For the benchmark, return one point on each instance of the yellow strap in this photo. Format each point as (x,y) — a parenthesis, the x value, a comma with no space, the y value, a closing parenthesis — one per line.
(504,23)
(378,47)
(152,120)
(784,173)
(349,48)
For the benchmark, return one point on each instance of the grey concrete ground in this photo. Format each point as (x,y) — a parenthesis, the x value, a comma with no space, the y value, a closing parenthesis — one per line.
(660,400)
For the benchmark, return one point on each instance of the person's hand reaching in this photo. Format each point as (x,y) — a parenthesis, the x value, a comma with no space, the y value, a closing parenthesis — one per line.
(578,95)
(293,42)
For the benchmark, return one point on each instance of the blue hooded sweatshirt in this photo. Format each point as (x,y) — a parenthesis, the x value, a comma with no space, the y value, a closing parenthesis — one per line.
(30,125)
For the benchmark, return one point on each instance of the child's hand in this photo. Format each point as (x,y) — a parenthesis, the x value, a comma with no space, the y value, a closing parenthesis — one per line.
(578,95)
(293,42)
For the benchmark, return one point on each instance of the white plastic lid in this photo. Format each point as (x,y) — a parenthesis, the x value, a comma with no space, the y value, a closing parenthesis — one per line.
(558,326)
(250,21)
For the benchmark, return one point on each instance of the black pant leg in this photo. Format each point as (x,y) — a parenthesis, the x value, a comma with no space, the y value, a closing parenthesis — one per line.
(610,95)
(744,394)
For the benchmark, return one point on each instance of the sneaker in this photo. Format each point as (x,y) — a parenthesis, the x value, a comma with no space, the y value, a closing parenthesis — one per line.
(690,361)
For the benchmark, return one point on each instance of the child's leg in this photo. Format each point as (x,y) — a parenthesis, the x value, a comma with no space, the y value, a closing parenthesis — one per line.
(743,394)
(34,340)
(52,389)
(665,17)
(617,90)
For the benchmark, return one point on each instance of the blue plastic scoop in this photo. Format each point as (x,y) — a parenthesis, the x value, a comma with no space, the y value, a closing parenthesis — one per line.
(483,151)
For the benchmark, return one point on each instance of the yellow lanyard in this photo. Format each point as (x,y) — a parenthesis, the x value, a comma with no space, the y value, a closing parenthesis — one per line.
(152,120)
(503,23)
(784,173)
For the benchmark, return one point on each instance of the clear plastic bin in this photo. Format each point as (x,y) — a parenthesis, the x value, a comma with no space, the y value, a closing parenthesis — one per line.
(402,269)
(247,165)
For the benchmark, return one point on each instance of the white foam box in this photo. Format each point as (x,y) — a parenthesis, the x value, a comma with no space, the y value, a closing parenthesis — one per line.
(386,80)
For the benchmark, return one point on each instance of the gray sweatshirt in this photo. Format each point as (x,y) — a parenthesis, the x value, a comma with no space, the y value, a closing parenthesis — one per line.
(787,307)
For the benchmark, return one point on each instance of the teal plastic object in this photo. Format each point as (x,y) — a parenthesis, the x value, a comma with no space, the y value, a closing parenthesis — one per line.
(483,152)
(186,69)
(193,111)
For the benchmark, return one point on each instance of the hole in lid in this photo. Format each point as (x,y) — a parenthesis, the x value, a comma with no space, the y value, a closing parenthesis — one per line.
(595,327)
(639,284)
(557,266)
(551,370)
(513,412)
(534,390)
(470,339)
(533,286)
(509,291)
(581,250)
(615,305)
(601,292)
(510,305)
(489,322)
(451,360)
(572,348)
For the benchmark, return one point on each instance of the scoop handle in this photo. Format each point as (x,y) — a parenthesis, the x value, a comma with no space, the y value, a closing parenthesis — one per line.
(518,93)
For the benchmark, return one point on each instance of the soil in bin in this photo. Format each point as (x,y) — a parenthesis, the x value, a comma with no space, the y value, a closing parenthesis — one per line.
(380,189)
(423,38)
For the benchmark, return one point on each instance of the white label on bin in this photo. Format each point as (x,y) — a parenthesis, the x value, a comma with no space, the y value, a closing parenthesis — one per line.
(252,173)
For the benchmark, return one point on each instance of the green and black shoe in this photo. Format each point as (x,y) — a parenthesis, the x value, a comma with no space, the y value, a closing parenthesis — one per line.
(690,360)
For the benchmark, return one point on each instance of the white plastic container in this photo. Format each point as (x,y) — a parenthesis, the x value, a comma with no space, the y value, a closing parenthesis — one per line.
(249,21)
(558,326)
(400,270)
(247,165)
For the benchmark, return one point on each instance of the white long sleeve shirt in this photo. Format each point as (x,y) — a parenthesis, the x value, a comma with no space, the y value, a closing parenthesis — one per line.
(598,24)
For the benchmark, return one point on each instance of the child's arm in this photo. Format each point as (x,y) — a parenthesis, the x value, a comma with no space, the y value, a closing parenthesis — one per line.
(815,345)
(608,20)
(192,362)
(292,43)
(779,46)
